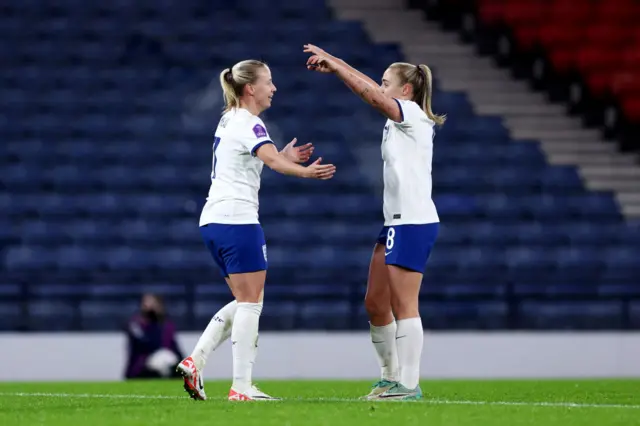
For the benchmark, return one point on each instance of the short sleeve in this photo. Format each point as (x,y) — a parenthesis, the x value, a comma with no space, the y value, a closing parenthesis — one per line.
(409,111)
(255,135)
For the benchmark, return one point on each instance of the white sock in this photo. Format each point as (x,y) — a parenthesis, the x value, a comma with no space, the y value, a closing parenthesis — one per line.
(255,346)
(244,336)
(218,330)
(384,340)
(409,339)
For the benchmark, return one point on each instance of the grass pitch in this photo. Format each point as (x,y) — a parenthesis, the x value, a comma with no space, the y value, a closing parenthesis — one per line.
(331,403)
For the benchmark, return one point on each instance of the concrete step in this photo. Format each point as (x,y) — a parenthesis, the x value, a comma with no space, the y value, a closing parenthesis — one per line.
(591,159)
(630,198)
(517,111)
(622,172)
(579,137)
(535,122)
(512,99)
(611,184)
(630,212)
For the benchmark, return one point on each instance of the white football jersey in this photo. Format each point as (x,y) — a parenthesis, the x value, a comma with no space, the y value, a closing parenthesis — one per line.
(407,152)
(235,169)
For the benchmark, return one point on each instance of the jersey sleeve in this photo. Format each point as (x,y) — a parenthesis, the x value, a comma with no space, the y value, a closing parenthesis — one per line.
(409,111)
(255,135)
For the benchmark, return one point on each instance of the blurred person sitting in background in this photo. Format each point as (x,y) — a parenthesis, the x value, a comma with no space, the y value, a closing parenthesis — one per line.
(152,348)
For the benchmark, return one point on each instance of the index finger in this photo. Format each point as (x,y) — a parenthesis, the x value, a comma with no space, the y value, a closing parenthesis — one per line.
(312,48)
(325,167)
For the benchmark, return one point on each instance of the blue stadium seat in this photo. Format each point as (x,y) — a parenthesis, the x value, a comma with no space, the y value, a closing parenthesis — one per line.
(573,315)
(10,316)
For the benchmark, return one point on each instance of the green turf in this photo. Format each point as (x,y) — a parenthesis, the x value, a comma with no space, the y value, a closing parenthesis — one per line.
(451,403)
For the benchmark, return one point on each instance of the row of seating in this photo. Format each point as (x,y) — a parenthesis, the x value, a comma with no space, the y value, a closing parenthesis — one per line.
(559,288)
(488,314)
(599,39)
(96,232)
(88,257)
(509,178)
(546,205)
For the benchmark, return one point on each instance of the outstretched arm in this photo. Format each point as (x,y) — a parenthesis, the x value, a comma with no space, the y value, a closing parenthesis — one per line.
(358,82)
(297,154)
(315,50)
(278,162)
(372,95)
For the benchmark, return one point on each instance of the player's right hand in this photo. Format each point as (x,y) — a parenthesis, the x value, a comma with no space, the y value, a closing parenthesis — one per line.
(322,64)
(315,50)
(316,170)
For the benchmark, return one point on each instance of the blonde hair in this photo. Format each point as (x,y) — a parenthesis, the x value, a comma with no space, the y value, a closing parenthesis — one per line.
(419,77)
(234,79)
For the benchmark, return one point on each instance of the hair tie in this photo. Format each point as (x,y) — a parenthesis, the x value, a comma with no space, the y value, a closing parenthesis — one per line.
(421,72)
(229,76)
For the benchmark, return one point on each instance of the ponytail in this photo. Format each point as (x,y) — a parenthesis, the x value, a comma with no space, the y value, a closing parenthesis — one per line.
(233,80)
(231,99)
(427,94)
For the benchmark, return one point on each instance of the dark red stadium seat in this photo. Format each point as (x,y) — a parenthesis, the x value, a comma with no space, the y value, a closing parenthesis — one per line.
(562,43)
(631,108)
(609,35)
(600,82)
(561,36)
(619,12)
(631,57)
(527,36)
(621,81)
(491,11)
(563,60)
(571,11)
(595,58)
(524,13)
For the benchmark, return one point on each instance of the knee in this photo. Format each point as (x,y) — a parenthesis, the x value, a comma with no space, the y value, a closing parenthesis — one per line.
(247,289)
(377,308)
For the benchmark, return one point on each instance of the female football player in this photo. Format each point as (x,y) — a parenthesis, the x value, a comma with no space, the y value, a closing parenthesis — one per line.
(229,222)
(410,218)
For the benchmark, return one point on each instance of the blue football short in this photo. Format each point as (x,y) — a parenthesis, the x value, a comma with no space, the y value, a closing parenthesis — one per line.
(408,246)
(236,249)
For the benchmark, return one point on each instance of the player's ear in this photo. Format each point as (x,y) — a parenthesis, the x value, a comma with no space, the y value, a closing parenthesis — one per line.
(406,89)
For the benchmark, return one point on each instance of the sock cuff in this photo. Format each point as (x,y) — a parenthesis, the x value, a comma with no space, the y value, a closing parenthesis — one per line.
(409,322)
(230,307)
(250,307)
(383,327)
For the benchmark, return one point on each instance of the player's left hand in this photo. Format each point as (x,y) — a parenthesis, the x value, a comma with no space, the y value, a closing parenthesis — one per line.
(298,154)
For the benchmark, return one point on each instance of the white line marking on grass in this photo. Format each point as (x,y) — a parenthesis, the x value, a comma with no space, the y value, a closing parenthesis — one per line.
(87,395)
(424,401)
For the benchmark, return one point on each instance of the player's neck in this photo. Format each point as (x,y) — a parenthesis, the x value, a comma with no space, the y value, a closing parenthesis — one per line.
(250,106)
